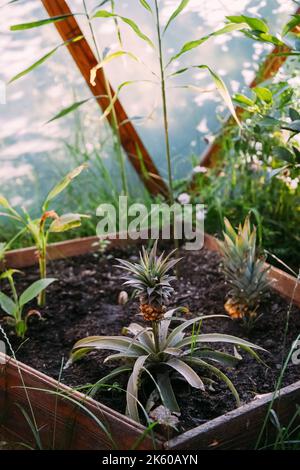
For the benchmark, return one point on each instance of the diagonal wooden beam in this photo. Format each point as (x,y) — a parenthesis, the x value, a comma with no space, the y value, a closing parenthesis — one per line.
(269,68)
(85,61)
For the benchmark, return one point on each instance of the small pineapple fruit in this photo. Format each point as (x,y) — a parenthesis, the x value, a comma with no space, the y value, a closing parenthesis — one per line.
(244,270)
(151,282)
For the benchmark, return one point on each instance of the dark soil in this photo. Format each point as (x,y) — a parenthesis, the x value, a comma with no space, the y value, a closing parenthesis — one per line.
(85,302)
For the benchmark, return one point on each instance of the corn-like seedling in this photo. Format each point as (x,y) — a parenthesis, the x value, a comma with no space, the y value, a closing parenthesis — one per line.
(14,306)
(40,229)
(159,352)
(245,271)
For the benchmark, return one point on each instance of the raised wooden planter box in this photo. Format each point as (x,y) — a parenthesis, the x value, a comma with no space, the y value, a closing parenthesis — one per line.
(68,424)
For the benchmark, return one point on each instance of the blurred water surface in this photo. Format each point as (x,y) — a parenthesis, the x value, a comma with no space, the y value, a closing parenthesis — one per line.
(32,154)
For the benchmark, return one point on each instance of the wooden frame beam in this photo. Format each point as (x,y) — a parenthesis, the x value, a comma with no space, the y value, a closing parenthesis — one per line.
(85,61)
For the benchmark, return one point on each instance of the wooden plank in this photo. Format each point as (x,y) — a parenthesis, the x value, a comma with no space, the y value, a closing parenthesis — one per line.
(237,429)
(85,61)
(283,283)
(74,428)
(268,69)
(240,428)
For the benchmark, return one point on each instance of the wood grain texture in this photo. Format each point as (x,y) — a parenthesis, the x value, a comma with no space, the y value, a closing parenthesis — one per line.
(240,428)
(76,430)
(63,425)
(85,60)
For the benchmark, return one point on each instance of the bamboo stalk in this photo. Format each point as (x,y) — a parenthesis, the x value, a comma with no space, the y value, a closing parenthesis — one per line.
(85,61)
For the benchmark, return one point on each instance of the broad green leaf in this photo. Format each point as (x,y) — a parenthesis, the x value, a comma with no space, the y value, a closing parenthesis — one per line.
(293,126)
(177,12)
(63,184)
(264,94)
(43,59)
(132,389)
(34,290)
(256,24)
(66,222)
(36,24)
(242,99)
(187,372)
(7,304)
(145,5)
(295,21)
(294,114)
(196,43)
(283,154)
(130,22)
(266,38)
(108,59)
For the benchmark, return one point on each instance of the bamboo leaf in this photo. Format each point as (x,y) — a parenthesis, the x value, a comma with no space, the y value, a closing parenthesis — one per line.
(63,185)
(196,43)
(146,5)
(264,94)
(222,89)
(69,109)
(177,12)
(295,21)
(108,59)
(257,24)
(34,290)
(38,23)
(66,222)
(43,59)
(128,21)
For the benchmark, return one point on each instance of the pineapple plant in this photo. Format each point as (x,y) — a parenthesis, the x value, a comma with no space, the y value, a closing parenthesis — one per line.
(244,270)
(151,282)
(160,351)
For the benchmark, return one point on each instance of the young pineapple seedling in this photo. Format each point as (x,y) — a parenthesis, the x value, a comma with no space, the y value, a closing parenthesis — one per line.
(151,281)
(156,350)
(14,306)
(40,229)
(245,271)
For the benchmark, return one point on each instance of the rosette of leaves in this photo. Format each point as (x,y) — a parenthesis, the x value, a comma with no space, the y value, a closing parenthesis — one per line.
(245,271)
(159,352)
